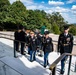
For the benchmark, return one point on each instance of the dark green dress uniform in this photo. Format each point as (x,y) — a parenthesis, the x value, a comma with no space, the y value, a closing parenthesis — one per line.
(65,45)
(22,38)
(32,47)
(47,48)
(16,43)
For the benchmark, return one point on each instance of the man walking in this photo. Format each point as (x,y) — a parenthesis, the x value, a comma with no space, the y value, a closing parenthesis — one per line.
(47,47)
(65,45)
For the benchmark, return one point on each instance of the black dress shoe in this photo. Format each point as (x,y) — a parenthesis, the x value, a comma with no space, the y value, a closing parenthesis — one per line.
(31,60)
(40,55)
(23,54)
(18,51)
(44,66)
(61,72)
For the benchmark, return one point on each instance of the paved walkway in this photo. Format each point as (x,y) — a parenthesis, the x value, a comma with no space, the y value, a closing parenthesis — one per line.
(35,68)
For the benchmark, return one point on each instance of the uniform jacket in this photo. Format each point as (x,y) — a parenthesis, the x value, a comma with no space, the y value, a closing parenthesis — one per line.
(65,43)
(16,35)
(47,45)
(39,40)
(32,43)
(22,36)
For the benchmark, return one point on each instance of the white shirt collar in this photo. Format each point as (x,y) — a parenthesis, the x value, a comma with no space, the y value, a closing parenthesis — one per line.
(65,34)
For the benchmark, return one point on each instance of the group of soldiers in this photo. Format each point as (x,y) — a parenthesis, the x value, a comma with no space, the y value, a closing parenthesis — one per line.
(36,42)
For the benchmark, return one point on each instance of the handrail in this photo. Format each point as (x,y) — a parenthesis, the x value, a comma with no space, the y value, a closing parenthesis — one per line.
(13,35)
(56,61)
(6,38)
(12,39)
(53,65)
(59,59)
(13,43)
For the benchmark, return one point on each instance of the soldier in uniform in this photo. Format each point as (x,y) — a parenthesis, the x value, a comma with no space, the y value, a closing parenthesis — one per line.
(33,46)
(65,45)
(22,38)
(39,43)
(16,36)
(47,47)
(27,42)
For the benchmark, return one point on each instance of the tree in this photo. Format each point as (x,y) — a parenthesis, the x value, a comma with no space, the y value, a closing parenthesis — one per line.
(17,14)
(13,15)
(73,30)
(36,19)
(55,29)
(58,19)
(4,4)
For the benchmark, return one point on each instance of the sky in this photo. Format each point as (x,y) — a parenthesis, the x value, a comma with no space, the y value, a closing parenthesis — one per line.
(67,8)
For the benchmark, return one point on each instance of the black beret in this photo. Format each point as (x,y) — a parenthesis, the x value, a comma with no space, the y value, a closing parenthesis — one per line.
(66,27)
(46,32)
